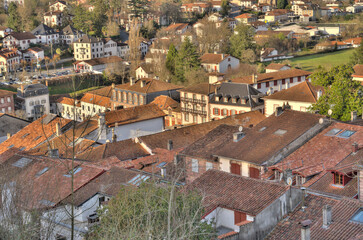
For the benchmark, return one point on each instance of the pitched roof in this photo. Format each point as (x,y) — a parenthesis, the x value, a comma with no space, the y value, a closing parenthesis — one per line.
(69,30)
(96,100)
(104,92)
(11,124)
(200,88)
(358,70)
(303,92)
(133,114)
(5,93)
(316,155)
(275,66)
(88,39)
(35,133)
(43,29)
(100,61)
(176,26)
(66,101)
(340,228)
(245,15)
(213,58)
(150,86)
(22,35)
(266,140)
(165,102)
(248,195)
(267,77)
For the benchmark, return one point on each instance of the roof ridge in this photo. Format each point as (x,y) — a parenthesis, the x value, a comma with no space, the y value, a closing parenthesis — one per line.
(311,90)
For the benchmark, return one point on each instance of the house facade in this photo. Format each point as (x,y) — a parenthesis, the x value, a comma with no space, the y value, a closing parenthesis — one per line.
(9,60)
(19,40)
(35,100)
(45,34)
(221,63)
(87,48)
(6,101)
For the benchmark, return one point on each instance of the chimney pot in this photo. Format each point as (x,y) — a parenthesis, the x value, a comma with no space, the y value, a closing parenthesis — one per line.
(143,83)
(8,135)
(353,116)
(305,230)
(170,145)
(355,147)
(53,153)
(132,81)
(327,216)
(58,129)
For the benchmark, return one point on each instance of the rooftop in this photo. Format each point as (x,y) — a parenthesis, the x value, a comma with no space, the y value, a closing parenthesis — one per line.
(213,58)
(150,86)
(200,88)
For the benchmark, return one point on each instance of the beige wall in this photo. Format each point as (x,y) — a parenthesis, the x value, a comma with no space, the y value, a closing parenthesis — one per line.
(199,118)
(238,110)
(271,105)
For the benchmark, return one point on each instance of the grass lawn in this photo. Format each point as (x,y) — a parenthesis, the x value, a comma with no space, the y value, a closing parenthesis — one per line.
(64,88)
(327,60)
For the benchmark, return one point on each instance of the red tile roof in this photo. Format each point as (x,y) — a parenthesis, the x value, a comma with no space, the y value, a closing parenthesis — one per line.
(165,102)
(275,66)
(176,26)
(358,70)
(5,93)
(96,100)
(150,86)
(200,88)
(213,58)
(248,195)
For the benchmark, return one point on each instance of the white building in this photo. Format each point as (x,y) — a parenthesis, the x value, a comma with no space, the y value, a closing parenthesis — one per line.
(35,100)
(221,63)
(97,65)
(87,48)
(45,34)
(110,47)
(5,31)
(70,35)
(33,54)
(20,40)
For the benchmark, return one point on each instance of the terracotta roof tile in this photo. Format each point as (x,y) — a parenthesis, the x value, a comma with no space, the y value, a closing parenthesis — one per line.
(358,70)
(96,100)
(275,66)
(100,61)
(176,26)
(165,102)
(200,88)
(151,86)
(212,58)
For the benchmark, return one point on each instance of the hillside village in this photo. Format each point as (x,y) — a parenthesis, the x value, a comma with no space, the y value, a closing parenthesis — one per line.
(134,119)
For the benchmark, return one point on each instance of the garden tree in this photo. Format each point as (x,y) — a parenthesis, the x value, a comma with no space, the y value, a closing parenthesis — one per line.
(342,94)
(158,65)
(244,69)
(47,63)
(99,18)
(357,57)
(248,56)
(81,19)
(241,41)
(134,42)
(281,4)
(195,76)
(14,18)
(151,211)
(187,59)
(113,29)
(171,11)
(116,72)
(55,60)
(212,38)
(224,8)
(138,8)
(171,58)
(148,29)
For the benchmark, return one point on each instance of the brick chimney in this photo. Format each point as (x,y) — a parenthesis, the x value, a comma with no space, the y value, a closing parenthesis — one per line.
(254,78)
(58,129)
(132,81)
(355,147)
(353,116)
(305,229)
(8,135)
(22,88)
(143,83)
(327,216)
(170,145)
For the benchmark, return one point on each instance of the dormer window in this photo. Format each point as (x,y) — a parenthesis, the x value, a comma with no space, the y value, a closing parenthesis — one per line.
(234,100)
(225,99)
(243,101)
(217,98)
(338,179)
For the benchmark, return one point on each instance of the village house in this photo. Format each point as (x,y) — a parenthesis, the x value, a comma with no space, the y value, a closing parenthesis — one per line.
(261,7)
(9,61)
(177,28)
(5,31)
(264,35)
(98,65)
(243,151)
(35,100)
(53,18)
(299,98)
(92,104)
(275,81)
(69,35)
(110,47)
(234,98)
(69,108)
(9,125)
(275,67)
(245,3)
(87,48)
(331,45)
(196,7)
(271,54)
(58,6)
(246,18)
(34,54)
(278,15)
(45,35)
(6,101)
(353,42)
(141,92)
(358,73)
(172,110)
(241,207)
(123,50)
(194,103)
(145,71)
(221,63)
(20,40)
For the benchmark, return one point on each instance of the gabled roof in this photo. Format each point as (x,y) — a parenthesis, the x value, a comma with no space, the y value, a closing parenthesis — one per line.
(22,35)
(200,88)
(8,54)
(96,100)
(35,133)
(358,70)
(248,195)
(104,92)
(43,29)
(165,102)
(100,61)
(303,92)
(267,77)
(59,1)
(11,124)
(176,26)
(213,58)
(88,39)
(69,30)
(133,114)
(5,93)
(245,15)
(150,86)
(276,66)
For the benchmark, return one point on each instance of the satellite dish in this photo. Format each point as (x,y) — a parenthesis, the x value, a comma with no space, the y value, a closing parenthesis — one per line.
(330,112)
(321,120)
(240,128)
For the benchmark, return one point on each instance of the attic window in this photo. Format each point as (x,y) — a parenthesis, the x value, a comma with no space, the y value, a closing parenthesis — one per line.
(262,129)
(333,132)
(358,216)
(41,172)
(234,100)
(22,162)
(22,148)
(25,135)
(280,132)
(346,134)
(37,138)
(75,170)
(12,145)
(225,99)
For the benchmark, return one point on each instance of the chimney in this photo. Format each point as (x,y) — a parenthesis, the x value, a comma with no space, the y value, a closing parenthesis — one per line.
(163,172)
(113,86)
(305,230)
(53,153)
(360,180)
(58,129)
(132,81)
(287,84)
(254,78)
(170,145)
(318,94)
(102,126)
(143,83)
(238,135)
(114,136)
(46,83)
(327,216)
(303,189)
(353,116)
(278,111)
(22,88)
(8,135)
(355,147)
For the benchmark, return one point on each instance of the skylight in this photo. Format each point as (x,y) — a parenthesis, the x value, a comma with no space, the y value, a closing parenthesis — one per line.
(346,134)
(46,202)
(41,172)
(37,138)
(358,217)
(262,129)
(138,179)
(333,132)
(22,162)
(161,165)
(75,170)
(12,145)
(280,132)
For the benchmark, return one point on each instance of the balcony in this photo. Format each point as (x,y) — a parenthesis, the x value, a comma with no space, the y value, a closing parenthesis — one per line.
(193,100)
(193,111)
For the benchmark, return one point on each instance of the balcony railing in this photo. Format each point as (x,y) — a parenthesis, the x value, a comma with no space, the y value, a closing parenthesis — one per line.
(194,111)
(193,100)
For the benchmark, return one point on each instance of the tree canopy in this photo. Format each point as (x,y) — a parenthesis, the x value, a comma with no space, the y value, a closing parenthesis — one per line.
(186,60)
(242,41)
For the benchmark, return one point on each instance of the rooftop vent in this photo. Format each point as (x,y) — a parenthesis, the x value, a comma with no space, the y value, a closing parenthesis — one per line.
(238,135)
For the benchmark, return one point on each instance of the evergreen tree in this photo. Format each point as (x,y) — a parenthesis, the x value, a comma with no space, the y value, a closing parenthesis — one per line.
(281,4)
(81,19)
(224,8)
(170,58)
(187,59)
(242,41)
(14,18)
(138,7)
(342,94)
(99,17)
(357,57)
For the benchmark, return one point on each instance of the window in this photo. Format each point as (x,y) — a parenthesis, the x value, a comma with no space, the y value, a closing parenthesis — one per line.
(215,111)
(299,78)
(225,99)
(267,84)
(338,179)
(186,117)
(75,170)
(259,86)
(280,132)
(195,119)
(234,100)
(275,83)
(239,217)
(302,109)
(9,109)
(195,165)
(225,112)
(2,100)
(208,165)
(130,98)
(346,134)
(358,216)
(333,132)
(233,112)
(291,80)
(283,81)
